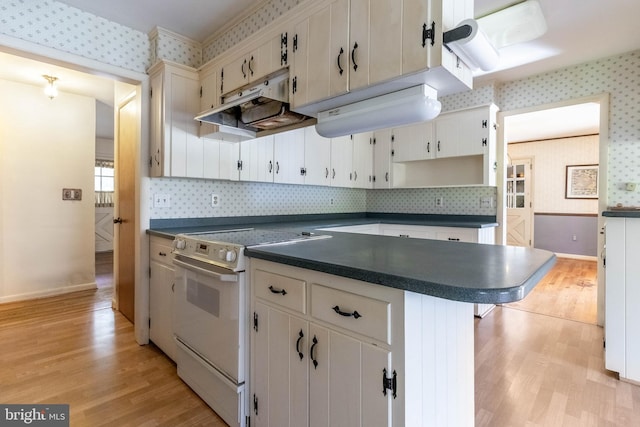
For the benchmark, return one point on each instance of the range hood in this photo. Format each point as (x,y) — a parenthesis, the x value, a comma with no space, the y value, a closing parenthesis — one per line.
(257,109)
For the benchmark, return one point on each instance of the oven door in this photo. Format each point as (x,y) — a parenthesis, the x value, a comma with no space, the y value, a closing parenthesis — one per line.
(208,315)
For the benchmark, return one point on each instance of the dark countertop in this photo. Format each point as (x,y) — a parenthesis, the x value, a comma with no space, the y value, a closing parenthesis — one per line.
(622,213)
(468,272)
(170,227)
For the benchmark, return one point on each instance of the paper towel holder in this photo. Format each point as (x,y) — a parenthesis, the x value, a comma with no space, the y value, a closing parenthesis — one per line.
(471,45)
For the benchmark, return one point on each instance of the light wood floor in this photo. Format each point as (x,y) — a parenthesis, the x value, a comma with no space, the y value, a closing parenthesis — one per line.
(531,369)
(568,291)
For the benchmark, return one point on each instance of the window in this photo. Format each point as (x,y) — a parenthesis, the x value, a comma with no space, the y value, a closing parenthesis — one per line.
(104,182)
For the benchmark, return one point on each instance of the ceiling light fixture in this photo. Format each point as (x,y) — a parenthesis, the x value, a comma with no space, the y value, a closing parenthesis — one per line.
(50,89)
(519,23)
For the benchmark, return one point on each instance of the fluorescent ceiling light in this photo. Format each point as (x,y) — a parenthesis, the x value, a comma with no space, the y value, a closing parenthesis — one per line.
(411,105)
(515,24)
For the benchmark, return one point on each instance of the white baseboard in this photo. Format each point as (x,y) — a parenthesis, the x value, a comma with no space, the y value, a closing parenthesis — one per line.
(49,292)
(574,256)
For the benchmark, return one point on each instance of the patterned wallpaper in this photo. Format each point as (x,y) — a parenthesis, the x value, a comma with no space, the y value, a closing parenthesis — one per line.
(56,25)
(457,200)
(268,12)
(174,47)
(191,198)
(620,77)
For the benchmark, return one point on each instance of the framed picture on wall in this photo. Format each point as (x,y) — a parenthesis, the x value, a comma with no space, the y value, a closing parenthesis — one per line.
(582,182)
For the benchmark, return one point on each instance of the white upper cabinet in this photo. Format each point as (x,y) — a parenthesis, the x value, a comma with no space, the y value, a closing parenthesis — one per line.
(209,96)
(413,142)
(362,162)
(268,57)
(341,161)
(317,158)
(375,38)
(256,159)
(466,133)
(175,146)
(288,155)
(382,170)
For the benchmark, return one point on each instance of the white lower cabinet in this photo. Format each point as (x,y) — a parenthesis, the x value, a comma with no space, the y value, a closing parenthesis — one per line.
(330,351)
(622,317)
(161,295)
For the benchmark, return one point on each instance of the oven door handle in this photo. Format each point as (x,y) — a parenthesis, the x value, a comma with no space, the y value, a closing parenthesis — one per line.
(220,276)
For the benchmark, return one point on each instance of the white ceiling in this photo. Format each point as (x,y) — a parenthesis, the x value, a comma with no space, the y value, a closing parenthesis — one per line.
(579,31)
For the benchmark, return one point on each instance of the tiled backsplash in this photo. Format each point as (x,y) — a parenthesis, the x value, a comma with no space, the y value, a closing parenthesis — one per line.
(191,198)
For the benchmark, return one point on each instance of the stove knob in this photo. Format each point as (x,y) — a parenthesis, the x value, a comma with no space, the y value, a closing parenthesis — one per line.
(179,244)
(231,256)
(222,254)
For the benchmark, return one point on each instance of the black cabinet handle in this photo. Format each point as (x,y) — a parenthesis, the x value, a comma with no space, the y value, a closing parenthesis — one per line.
(334,174)
(453,239)
(162,253)
(251,68)
(355,314)
(340,66)
(244,74)
(386,176)
(277,291)
(428,147)
(277,167)
(270,166)
(438,146)
(326,173)
(353,56)
(313,358)
(300,336)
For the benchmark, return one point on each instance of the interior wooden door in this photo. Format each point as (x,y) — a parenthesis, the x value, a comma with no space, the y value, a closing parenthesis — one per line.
(125,208)
(519,203)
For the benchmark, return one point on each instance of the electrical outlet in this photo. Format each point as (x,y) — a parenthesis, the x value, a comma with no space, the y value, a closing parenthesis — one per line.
(215,201)
(630,186)
(486,202)
(161,201)
(439,202)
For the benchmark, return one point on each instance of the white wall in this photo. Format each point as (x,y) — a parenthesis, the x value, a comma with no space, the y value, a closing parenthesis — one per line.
(47,244)
(550,159)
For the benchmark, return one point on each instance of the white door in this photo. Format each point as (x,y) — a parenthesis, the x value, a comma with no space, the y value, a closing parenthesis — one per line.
(520,203)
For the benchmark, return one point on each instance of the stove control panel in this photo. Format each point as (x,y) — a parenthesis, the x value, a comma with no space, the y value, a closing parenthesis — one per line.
(226,255)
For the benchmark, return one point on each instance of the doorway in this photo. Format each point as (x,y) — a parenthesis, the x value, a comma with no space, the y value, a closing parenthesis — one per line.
(547,144)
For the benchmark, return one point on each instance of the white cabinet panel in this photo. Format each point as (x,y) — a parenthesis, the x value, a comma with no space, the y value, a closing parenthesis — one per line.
(341,161)
(317,158)
(288,154)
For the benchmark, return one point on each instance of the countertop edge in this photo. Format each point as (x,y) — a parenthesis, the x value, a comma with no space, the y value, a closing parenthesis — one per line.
(622,214)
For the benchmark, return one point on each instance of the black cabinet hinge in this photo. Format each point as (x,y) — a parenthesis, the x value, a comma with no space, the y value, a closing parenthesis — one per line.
(255,321)
(295,84)
(200,91)
(484,124)
(239,165)
(151,93)
(303,171)
(255,404)
(389,383)
(295,43)
(428,33)
(284,37)
(484,142)
(283,57)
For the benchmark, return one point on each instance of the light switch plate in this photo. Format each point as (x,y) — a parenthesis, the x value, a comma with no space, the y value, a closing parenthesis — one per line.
(72,194)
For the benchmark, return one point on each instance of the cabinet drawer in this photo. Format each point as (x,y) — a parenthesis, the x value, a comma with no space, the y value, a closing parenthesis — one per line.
(160,250)
(282,290)
(357,313)
(457,235)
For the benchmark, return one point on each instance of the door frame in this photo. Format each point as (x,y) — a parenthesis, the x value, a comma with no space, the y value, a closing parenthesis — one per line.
(603,100)
(75,62)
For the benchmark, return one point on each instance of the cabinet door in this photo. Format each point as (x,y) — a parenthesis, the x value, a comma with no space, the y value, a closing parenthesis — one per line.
(211,158)
(339,35)
(156,121)
(359,44)
(256,156)
(385,55)
(317,158)
(473,138)
(209,97)
(183,103)
(413,142)
(280,369)
(341,161)
(382,170)
(416,55)
(299,77)
(235,74)
(288,154)
(447,136)
(346,383)
(229,156)
(161,307)
(362,160)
